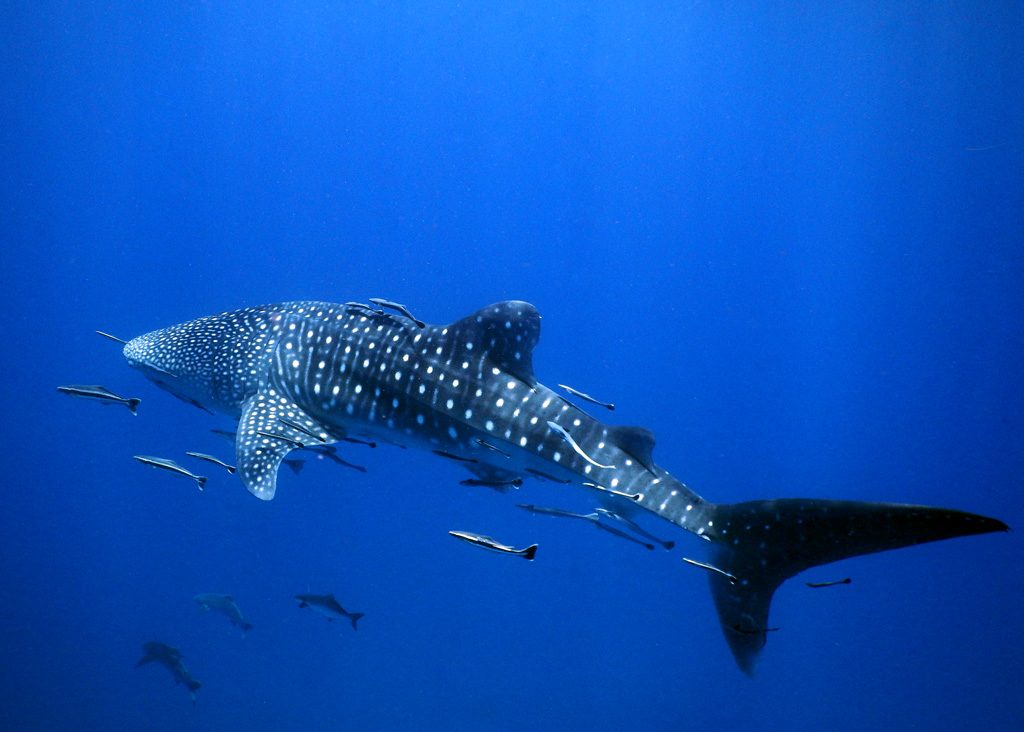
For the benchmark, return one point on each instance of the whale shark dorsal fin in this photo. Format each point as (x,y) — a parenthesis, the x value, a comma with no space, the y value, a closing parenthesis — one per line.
(267,431)
(507,333)
(637,441)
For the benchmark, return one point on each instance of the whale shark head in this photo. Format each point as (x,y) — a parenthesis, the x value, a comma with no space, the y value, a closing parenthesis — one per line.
(211,362)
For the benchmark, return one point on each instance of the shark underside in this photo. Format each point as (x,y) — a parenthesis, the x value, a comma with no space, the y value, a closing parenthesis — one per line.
(300,374)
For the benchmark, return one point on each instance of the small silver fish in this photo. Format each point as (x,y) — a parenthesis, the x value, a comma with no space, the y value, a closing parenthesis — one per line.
(545,511)
(283,438)
(112,337)
(101,394)
(224,604)
(299,428)
(637,528)
(622,535)
(381,302)
(493,483)
(486,542)
(211,459)
(607,405)
(712,568)
(328,606)
(833,583)
(489,446)
(171,466)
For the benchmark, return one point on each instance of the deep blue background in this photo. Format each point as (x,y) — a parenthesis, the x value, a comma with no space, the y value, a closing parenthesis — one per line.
(787,240)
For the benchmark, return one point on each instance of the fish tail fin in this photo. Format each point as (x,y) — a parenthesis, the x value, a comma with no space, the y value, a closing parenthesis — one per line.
(232,469)
(354,617)
(295,465)
(761,544)
(530,551)
(668,545)
(246,627)
(201,481)
(133,406)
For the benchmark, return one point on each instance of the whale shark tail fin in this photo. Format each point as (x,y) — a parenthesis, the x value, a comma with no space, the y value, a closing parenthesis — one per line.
(761,544)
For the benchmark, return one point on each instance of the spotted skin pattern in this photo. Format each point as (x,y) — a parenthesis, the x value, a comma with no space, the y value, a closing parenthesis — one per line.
(340,370)
(467,391)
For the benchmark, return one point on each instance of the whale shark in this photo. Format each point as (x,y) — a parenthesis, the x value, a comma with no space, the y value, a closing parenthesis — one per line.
(309,372)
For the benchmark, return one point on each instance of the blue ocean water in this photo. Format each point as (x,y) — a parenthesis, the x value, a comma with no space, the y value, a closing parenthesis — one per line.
(786,239)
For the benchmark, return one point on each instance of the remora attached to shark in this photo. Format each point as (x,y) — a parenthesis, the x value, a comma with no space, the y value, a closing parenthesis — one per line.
(346,370)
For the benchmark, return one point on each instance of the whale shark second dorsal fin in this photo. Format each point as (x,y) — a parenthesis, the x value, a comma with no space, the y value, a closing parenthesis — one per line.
(506,332)
(637,442)
(267,431)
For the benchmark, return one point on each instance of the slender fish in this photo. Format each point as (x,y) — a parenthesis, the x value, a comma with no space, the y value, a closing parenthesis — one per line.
(712,568)
(398,308)
(211,459)
(620,494)
(486,542)
(283,438)
(622,534)
(607,405)
(833,583)
(101,394)
(299,428)
(545,511)
(172,467)
(499,484)
(637,528)
(112,337)
(572,443)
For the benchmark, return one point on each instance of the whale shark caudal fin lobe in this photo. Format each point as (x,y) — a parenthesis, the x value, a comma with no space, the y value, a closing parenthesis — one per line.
(763,543)
(263,439)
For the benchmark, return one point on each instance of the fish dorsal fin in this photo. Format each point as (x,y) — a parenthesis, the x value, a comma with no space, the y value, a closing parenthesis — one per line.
(638,442)
(507,333)
(259,455)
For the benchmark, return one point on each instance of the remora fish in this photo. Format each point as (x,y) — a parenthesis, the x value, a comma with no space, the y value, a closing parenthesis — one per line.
(561,513)
(444,387)
(486,542)
(211,459)
(101,394)
(170,658)
(224,604)
(637,528)
(171,466)
(328,606)
(833,583)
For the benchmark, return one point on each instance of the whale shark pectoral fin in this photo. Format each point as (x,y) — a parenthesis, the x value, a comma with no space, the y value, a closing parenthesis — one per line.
(507,332)
(267,431)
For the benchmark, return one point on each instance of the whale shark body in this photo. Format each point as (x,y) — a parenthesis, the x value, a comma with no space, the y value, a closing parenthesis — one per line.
(303,373)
